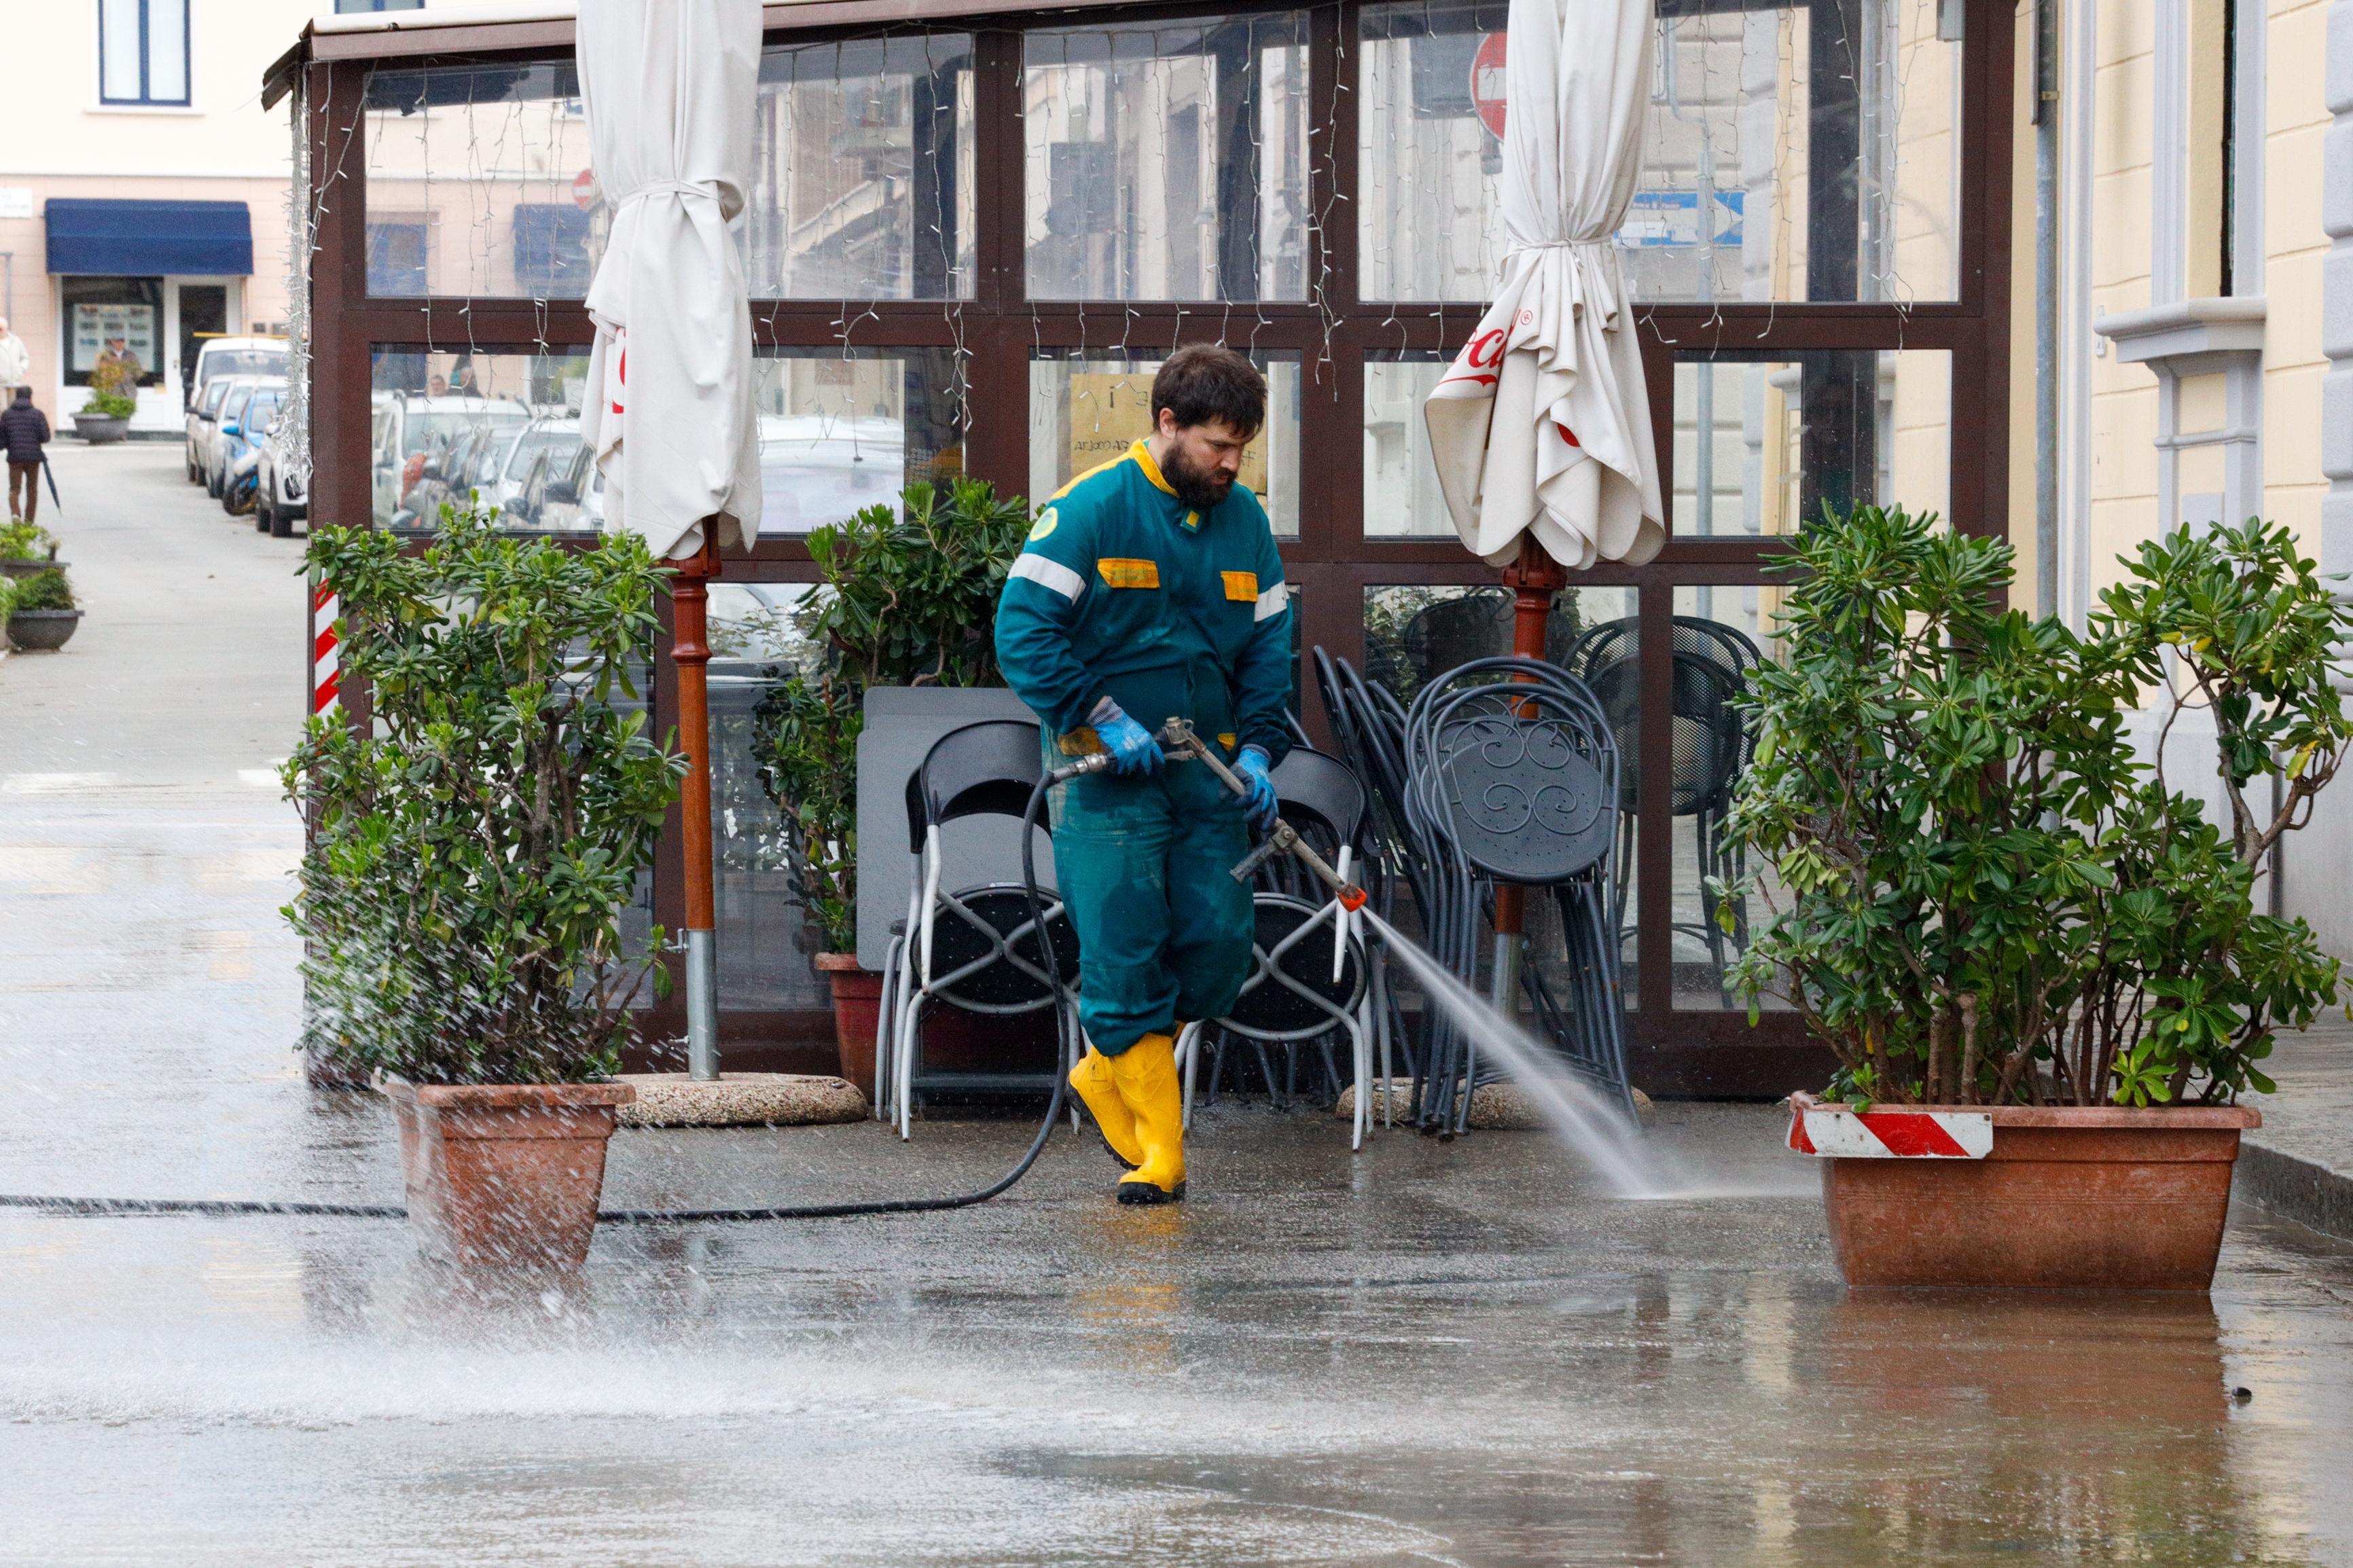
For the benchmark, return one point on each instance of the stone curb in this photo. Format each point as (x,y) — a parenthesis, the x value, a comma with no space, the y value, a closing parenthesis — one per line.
(2293,1187)
(740,1099)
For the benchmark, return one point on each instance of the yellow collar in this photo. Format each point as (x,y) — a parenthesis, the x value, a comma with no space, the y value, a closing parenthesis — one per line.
(1143,456)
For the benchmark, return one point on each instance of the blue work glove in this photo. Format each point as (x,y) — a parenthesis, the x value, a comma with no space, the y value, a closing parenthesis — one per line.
(1133,749)
(1260,805)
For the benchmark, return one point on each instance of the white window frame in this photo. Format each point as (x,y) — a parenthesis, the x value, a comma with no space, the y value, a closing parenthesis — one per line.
(147,99)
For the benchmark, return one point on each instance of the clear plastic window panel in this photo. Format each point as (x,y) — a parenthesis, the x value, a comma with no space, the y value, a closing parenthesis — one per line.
(1720,896)
(756,645)
(1402,499)
(480,177)
(1789,152)
(1085,410)
(447,427)
(1167,160)
(845,429)
(1761,445)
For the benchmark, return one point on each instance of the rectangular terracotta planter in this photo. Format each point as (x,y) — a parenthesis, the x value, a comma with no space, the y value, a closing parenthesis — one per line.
(505,1173)
(2098,1198)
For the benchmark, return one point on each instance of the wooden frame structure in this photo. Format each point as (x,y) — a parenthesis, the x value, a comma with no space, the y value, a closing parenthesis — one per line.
(1332,562)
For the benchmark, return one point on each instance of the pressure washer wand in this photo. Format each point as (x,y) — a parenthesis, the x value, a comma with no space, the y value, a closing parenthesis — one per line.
(1281,839)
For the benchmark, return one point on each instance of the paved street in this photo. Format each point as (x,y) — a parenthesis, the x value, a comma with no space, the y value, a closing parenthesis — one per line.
(1448,1353)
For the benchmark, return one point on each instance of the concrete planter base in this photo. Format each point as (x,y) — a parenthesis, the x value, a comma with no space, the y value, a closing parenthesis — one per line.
(101,429)
(42,631)
(2094,1198)
(505,1173)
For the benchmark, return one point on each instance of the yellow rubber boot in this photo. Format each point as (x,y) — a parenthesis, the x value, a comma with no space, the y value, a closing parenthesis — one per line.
(1100,1093)
(1146,1074)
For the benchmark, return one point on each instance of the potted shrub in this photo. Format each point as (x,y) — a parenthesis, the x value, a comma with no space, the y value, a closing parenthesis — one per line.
(902,601)
(41,612)
(469,858)
(105,417)
(26,548)
(1984,900)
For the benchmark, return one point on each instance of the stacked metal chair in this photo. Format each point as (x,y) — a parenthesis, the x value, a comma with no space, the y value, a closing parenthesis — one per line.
(1710,746)
(1311,978)
(1502,771)
(975,948)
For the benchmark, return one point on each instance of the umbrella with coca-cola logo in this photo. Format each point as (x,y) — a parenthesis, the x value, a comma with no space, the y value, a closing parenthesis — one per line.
(1541,428)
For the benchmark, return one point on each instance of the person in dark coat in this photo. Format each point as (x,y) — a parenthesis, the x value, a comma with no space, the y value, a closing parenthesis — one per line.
(23,431)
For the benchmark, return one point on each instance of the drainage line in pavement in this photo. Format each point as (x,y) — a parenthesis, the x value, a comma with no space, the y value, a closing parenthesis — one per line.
(128,1207)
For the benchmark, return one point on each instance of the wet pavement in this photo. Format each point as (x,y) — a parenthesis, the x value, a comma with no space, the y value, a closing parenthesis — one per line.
(1430,1353)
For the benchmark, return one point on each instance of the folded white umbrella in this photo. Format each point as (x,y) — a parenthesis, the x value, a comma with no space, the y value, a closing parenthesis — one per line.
(1542,424)
(669,88)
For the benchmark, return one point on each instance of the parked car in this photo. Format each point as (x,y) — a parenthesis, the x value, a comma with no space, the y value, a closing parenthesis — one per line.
(242,434)
(281,497)
(553,438)
(414,438)
(817,469)
(237,356)
(564,493)
(227,426)
(202,410)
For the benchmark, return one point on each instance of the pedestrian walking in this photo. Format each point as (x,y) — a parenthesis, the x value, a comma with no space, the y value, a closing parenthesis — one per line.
(16,363)
(23,431)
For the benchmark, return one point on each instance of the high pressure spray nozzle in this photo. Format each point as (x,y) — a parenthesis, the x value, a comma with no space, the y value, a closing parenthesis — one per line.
(1177,735)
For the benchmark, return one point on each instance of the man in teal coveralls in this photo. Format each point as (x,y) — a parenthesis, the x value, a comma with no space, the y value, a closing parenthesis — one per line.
(1151,588)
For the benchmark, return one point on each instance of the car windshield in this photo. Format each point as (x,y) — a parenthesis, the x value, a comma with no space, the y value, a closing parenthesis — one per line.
(214,393)
(234,404)
(532,444)
(262,410)
(425,430)
(242,361)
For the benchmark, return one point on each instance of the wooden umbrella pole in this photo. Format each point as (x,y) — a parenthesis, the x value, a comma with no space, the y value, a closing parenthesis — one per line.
(690,654)
(1534,579)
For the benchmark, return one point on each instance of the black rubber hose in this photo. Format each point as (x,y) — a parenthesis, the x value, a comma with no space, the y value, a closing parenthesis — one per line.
(133,1207)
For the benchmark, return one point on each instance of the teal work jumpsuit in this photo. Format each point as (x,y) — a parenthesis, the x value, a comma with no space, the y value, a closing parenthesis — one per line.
(1123,591)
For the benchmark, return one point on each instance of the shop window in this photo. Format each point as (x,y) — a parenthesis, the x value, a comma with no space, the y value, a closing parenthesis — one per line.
(1167,160)
(1760,447)
(113,322)
(143,52)
(1794,151)
(1086,410)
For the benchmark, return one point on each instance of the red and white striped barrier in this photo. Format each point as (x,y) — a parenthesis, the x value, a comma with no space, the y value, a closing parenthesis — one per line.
(326,667)
(1837,1132)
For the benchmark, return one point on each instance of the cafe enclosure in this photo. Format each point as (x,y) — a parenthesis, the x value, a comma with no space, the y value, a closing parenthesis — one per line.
(972,235)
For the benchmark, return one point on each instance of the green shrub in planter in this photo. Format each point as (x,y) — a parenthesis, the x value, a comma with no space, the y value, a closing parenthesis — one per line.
(1985,897)
(42,591)
(905,601)
(26,541)
(461,895)
(111,405)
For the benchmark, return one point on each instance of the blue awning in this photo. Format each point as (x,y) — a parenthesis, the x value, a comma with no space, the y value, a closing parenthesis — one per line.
(148,239)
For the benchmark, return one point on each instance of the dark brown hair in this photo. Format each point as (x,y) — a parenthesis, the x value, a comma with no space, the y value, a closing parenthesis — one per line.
(1202,382)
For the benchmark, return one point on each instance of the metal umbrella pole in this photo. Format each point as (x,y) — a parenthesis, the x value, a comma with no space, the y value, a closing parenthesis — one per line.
(690,654)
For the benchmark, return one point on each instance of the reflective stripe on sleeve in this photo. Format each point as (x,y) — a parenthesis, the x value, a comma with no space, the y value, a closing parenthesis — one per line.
(1050,574)
(1272,601)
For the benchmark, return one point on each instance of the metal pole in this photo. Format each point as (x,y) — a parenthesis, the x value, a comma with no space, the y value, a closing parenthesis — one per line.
(690,653)
(2046,307)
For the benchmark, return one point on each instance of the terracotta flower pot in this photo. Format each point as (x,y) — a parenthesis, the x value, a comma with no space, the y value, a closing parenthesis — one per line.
(505,1173)
(2093,1198)
(857,1011)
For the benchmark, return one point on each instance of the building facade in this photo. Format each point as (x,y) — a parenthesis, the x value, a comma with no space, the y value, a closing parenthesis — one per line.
(152,206)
